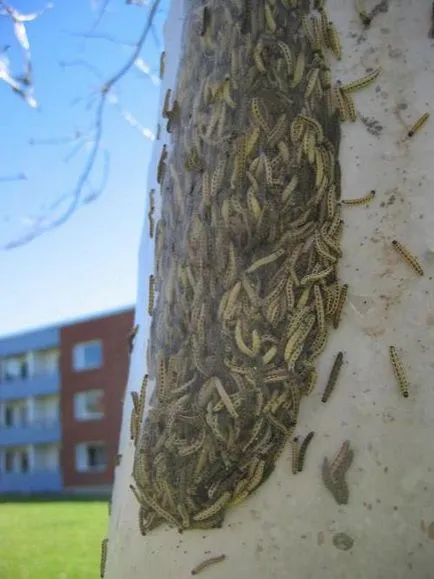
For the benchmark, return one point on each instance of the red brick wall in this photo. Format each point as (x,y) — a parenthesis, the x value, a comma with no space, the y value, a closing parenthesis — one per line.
(111,377)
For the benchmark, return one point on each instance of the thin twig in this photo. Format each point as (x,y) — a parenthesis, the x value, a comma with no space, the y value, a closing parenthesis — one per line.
(85,175)
(22,84)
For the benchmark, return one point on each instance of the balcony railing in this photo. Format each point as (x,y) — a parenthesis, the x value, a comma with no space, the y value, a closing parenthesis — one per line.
(35,432)
(35,385)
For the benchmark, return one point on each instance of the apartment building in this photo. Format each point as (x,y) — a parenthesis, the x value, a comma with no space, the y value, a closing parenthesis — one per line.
(61,391)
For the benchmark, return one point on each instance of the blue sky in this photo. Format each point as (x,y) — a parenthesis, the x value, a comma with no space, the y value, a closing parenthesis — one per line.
(89,264)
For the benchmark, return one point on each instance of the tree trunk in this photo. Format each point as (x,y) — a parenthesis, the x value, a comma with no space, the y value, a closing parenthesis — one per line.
(250,273)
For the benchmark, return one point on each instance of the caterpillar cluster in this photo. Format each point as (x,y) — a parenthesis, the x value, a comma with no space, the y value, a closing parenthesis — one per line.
(247,246)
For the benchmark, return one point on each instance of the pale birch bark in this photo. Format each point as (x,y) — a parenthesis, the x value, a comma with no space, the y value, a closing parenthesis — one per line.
(287,527)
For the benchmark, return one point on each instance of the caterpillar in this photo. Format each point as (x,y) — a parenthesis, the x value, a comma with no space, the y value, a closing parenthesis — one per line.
(359,200)
(103,560)
(418,125)
(303,449)
(399,371)
(362,82)
(151,294)
(131,335)
(408,257)
(340,305)
(207,563)
(206,19)
(333,377)
(295,451)
(162,64)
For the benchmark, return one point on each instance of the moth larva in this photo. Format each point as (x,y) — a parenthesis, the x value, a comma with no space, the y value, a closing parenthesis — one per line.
(333,39)
(172,116)
(162,64)
(290,188)
(269,18)
(135,399)
(340,305)
(239,340)
(166,105)
(268,170)
(399,371)
(331,202)
(286,52)
(303,449)
(206,19)
(225,398)
(103,560)
(278,131)
(131,335)
(257,57)
(333,377)
(295,450)
(298,70)
(311,81)
(431,32)
(151,294)
(324,22)
(313,277)
(214,508)
(408,257)
(118,459)
(161,168)
(362,82)
(317,34)
(359,200)
(151,224)
(350,107)
(207,563)
(258,116)
(256,478)
(266,260)
(142,398)
(133,424)
(252,141)
(418,125)
(314,125)
(319,306)
(339,103)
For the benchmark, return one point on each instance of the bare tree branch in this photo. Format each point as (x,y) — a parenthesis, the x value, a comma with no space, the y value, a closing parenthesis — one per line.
(41,225)
(22,84)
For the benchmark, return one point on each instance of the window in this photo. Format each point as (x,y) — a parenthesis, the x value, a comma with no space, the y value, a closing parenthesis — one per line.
(14,414)
(46,457)
(89,405)
(46,410)
(14,368)
(9,461)
(24,461)
(87,356)
(46,361)
(9,416)
(91,457)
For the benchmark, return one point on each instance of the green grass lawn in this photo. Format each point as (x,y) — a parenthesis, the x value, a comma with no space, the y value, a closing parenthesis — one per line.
(51,540)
